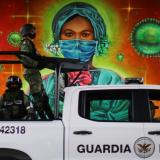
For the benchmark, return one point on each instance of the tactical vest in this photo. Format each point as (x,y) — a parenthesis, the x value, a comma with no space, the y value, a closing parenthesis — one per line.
(13,103)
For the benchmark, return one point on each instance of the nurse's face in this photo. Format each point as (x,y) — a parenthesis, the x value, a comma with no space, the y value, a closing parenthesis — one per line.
(77,28)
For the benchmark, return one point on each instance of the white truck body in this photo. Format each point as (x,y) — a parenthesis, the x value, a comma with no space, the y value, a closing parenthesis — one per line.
(78,138)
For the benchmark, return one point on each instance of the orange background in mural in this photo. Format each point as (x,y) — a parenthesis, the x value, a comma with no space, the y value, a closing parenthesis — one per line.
(15,13)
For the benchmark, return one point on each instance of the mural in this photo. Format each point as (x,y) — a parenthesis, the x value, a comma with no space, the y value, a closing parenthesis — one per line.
(130,46)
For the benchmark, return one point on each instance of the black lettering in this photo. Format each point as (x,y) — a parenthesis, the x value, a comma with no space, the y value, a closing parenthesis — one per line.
(98,149)
(121,148)
(106,148)
(127,149)
(114,148)
(81,148)
(90,148)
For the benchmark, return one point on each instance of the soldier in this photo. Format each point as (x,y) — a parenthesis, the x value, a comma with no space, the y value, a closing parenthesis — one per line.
(14,104)
(32,75)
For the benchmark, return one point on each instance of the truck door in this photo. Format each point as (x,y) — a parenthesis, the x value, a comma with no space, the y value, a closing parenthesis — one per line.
(40,140)
(102,126)
(152,127)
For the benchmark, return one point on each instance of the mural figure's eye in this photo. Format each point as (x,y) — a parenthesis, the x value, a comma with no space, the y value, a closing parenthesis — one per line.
(68,33)
(86,34)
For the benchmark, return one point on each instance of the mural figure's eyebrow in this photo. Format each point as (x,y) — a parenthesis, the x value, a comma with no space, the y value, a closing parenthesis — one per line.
(87,30)
(69,30)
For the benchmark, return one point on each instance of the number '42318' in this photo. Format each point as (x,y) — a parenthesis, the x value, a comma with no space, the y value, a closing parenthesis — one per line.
(12,130)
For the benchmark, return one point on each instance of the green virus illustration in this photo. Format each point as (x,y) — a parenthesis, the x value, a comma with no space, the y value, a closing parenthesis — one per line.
(14,39)
(145,37)
(120,57)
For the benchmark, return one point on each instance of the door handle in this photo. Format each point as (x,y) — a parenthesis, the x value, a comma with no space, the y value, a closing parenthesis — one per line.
(82,132)
(154,132)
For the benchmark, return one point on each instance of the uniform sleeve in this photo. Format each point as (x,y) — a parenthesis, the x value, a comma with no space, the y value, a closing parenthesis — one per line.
(49,86)
(109,77)
(26,46)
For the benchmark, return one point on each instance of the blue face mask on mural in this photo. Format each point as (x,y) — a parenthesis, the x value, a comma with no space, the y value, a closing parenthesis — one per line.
(78,49)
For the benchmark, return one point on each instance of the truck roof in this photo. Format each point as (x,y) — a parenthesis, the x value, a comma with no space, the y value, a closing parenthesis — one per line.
(122,86)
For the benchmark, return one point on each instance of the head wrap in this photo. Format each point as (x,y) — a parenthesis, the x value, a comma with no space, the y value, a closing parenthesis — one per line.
(84,10)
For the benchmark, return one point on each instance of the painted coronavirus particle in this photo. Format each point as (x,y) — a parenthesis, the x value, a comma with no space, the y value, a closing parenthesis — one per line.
(14,39)
(120,57)
(145,37)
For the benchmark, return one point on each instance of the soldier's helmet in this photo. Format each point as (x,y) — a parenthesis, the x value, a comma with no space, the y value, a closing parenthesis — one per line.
(14,82)
(28,30)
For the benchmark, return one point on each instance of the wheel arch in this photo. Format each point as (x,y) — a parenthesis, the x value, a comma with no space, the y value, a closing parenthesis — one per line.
(13,154)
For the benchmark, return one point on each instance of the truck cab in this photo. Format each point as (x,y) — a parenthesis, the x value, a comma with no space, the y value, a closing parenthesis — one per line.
(135,138)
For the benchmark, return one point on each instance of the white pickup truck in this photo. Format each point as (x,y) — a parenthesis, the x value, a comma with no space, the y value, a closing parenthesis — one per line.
(76,136)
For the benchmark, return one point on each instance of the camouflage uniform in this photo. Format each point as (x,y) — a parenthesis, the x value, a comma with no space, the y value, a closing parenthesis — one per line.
(33,77)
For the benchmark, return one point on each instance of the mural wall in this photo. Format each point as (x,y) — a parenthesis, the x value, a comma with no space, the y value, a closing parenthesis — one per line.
(132,35)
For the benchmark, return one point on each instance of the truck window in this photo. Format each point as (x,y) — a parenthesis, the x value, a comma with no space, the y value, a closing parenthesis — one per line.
(129,105)
(154,99)
(106,105)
